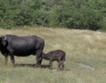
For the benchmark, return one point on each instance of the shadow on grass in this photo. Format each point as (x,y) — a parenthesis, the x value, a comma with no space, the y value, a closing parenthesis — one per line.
(24,65)
(31,65)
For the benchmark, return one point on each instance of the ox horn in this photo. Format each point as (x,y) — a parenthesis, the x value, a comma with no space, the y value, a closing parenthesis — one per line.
(5,38)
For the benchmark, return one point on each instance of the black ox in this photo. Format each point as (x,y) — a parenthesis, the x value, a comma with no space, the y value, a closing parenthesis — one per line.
(22,46)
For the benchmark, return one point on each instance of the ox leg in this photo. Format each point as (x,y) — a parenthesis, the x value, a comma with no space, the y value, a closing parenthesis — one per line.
(38,61)
(38,58)
(12,59)
(6,59)
(50,64)
(39,55)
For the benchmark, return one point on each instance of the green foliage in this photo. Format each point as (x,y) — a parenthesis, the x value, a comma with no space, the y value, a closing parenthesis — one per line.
(77,14)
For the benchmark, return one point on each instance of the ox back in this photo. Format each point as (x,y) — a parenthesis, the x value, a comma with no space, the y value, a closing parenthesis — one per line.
(23,46)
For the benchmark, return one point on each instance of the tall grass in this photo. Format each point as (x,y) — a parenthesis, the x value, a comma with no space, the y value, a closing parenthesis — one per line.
(81,46)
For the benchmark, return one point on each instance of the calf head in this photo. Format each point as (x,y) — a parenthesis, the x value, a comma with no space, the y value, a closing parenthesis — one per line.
(43,55)
(46,56)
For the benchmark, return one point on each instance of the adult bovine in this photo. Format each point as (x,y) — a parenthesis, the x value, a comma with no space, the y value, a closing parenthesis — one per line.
(22,46)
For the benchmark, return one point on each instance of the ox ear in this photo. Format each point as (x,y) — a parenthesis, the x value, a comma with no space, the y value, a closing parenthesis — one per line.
(4,40)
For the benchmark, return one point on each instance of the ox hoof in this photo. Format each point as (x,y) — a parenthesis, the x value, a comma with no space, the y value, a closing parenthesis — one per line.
(37,66)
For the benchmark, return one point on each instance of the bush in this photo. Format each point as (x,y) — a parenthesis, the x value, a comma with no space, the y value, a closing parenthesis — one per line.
(77,14)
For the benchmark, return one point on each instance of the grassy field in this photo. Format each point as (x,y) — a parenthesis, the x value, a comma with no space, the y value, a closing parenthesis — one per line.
(85,59)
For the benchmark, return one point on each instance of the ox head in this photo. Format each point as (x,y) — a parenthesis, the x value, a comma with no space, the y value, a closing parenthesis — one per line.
(3,40)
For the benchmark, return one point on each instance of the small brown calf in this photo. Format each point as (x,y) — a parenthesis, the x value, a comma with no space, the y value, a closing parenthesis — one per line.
(56,55)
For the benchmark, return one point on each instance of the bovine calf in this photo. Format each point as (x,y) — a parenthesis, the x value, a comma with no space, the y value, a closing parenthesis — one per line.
(56,55)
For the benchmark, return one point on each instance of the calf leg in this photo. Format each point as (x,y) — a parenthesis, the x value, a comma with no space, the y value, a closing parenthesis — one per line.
(59,64)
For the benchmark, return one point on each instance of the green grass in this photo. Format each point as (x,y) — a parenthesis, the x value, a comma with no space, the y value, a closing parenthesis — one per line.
(81,46)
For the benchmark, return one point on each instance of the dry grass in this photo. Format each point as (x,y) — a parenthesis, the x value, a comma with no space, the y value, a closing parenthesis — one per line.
(82,47)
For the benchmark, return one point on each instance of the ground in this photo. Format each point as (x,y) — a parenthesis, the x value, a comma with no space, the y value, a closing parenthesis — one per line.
(85,57)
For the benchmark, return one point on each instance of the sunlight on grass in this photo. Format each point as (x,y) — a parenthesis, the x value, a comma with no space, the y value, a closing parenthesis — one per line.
(81,47)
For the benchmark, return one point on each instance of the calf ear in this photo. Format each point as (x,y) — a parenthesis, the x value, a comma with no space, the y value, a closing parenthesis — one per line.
(43,53)
(4,40)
